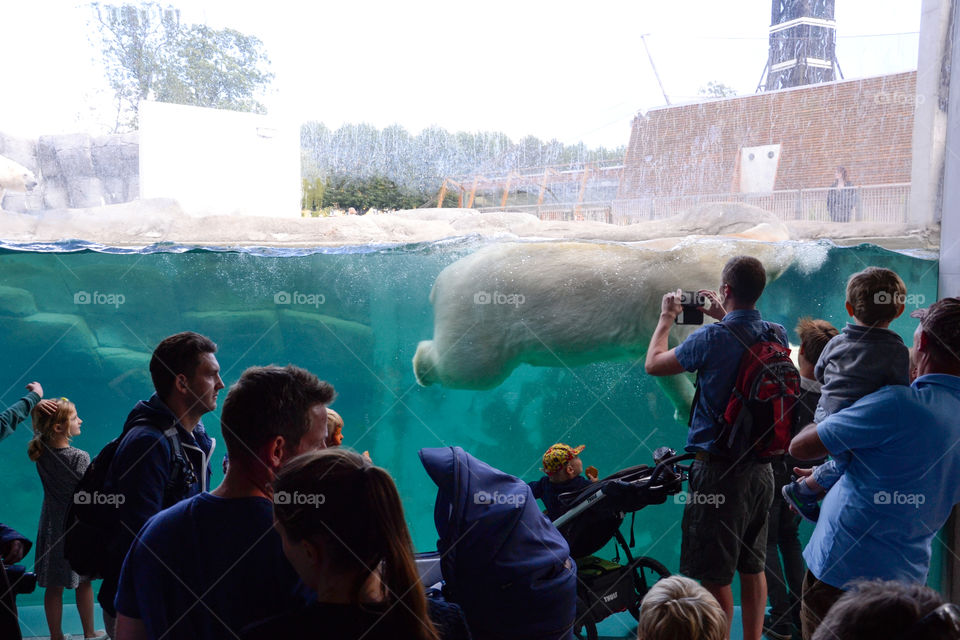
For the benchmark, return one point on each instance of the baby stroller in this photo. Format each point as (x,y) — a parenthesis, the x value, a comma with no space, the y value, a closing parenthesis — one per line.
(500,559)
(595,516)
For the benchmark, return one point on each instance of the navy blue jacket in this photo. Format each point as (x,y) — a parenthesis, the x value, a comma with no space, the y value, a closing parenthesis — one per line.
(8,535)
(140,471)
(502,560)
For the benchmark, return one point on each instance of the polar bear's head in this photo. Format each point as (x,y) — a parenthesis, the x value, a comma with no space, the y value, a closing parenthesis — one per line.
(15,177)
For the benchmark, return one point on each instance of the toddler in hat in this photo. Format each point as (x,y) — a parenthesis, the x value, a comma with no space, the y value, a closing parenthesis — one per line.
(563,467)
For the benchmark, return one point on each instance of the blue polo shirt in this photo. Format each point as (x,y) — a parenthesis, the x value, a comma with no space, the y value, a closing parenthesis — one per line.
(714,352)
(879,520)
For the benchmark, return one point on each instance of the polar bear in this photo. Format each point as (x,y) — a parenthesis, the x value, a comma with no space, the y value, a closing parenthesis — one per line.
(14,177)
(567,304)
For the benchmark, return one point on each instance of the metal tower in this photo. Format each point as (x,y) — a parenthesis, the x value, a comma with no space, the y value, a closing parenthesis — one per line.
(803,38)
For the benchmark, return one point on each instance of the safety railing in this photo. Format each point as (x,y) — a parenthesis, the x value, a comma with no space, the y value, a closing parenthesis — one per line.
(870,203)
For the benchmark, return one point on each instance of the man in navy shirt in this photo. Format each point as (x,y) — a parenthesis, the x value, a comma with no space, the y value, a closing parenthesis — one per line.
(878,522)
(167,427)
(213,564)
(724,522)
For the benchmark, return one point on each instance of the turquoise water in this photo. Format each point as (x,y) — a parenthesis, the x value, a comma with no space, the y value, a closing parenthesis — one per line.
(355,320)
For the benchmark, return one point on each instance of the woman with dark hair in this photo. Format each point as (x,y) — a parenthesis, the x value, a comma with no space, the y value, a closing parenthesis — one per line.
(842,197)
(343,530)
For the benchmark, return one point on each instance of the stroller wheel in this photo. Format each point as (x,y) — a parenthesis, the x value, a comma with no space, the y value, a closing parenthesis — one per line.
(646,571)
(584,628)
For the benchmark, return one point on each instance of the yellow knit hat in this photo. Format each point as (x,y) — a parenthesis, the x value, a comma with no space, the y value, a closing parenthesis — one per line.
(558,456)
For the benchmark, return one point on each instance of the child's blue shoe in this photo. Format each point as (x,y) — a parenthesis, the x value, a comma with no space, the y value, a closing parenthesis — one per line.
(808,508)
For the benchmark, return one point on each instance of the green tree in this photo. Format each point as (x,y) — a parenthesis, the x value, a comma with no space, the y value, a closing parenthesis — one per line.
(313,192)
(148,53)
(376,192)
(717,90)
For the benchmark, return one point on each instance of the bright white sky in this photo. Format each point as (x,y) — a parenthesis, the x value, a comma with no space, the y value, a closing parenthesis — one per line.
(574,71)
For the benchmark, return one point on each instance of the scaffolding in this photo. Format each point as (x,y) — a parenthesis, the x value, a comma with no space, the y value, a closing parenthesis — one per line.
(537,186)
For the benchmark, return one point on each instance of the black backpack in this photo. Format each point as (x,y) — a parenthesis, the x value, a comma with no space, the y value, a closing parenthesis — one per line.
(91,524)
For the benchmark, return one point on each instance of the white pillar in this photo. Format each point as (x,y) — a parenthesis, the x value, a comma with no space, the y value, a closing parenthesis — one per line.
(949,213)
(930,115)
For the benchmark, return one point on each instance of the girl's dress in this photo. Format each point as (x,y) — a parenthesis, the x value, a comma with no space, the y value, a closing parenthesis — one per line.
(60,470)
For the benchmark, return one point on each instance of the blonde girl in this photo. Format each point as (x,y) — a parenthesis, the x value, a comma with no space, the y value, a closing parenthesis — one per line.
(60,467)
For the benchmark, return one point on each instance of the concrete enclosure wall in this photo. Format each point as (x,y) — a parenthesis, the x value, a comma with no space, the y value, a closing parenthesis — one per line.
(75,170)
(865,125)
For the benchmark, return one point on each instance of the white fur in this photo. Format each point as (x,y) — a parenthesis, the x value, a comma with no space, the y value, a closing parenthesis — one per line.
(572,303)
(15,177)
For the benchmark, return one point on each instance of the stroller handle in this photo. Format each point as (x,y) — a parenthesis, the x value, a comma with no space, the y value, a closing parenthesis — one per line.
(664,466)
(668,463)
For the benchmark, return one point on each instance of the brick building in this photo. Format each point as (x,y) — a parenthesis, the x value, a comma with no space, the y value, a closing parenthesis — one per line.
(787,139)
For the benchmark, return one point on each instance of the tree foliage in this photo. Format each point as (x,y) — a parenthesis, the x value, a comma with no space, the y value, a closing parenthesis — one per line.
(717,90)
(362,194)
(149,53)
(419,163)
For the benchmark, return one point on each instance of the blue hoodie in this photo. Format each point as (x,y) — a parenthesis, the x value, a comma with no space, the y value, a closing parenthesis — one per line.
(140,472)
(503,562)
(8,535)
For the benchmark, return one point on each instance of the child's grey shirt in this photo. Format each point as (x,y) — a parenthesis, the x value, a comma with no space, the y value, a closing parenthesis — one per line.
(857,362)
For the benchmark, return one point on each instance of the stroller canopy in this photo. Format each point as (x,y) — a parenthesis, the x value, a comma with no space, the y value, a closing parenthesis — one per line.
(503,561)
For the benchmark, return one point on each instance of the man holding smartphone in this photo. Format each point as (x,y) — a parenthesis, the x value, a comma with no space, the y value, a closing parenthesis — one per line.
(725,520)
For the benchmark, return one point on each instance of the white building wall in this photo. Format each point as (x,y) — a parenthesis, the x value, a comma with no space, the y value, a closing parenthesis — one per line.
(217,162)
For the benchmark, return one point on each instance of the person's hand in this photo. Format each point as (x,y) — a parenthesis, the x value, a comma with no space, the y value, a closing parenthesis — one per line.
(670,305)
(48,407)
(592,473)
(13,552)
(714,309)
(36,388)
(803,472)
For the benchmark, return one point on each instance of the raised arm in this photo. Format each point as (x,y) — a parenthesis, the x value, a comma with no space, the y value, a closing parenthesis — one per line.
(20,410)
(661,360)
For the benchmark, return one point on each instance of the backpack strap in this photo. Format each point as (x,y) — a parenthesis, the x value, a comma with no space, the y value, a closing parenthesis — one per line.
(182,473)
(717,418)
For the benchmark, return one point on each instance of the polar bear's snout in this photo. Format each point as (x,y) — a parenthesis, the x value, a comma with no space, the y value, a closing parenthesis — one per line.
(29,181)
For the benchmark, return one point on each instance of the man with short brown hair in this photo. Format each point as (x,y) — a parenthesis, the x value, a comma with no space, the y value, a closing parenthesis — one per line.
(726,533)
(879,520)
(165,453)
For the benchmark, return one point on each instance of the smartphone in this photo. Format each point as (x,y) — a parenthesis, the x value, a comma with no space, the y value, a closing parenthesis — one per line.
(690,314)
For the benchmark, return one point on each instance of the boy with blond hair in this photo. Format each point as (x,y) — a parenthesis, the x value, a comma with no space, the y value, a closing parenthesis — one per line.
(677,608)
(863,358)
(563,468)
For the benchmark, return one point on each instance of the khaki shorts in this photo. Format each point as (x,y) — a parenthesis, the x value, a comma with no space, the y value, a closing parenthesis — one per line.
(725,520)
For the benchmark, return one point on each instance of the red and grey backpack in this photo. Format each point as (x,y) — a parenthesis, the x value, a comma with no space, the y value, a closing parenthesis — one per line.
(759,415)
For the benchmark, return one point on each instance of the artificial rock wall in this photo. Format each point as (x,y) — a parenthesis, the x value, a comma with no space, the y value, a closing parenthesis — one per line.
(75,170)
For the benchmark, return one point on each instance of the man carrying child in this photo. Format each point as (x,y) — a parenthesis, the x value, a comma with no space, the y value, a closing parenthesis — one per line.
(879,520)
